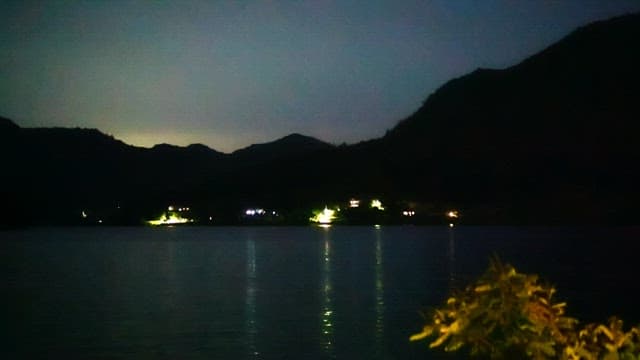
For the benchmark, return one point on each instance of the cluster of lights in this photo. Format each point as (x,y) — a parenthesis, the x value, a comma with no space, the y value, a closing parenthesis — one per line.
(408,213)
(375,204)
(171,217)
(322,217)
(258,212)
(180,209)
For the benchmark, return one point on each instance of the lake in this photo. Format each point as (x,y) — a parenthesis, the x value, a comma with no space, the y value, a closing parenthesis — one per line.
(281,292)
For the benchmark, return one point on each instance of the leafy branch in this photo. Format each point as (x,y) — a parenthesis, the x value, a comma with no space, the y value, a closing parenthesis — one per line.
(507,314)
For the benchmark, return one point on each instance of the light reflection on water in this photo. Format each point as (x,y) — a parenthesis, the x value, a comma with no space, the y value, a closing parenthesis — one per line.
(250,299)
(452,258)
(379,302)
(273,293)
(326,313)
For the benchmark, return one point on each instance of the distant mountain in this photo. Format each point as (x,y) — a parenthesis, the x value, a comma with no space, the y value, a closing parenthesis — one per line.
(549,140)
(283,147)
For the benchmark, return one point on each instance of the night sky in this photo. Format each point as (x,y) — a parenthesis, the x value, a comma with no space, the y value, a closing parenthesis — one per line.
(231,73)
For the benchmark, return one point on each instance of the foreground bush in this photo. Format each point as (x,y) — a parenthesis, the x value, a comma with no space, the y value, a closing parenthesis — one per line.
(508,315)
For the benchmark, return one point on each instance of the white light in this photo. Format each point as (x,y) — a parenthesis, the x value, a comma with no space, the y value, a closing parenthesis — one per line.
(450,225)
(354,203)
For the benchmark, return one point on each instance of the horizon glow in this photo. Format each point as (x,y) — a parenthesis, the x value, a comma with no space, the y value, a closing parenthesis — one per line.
(228,75)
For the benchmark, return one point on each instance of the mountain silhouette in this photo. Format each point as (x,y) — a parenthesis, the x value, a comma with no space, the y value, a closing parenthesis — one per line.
(554,134)
(549,140)
(281,148)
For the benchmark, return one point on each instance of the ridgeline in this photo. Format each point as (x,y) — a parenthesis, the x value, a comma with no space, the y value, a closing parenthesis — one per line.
(551,140)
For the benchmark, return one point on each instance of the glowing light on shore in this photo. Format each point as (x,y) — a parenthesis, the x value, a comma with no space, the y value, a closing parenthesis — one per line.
(325,216)
(377,204)
(453,214)
(172,219)
(354,203)
(256,212)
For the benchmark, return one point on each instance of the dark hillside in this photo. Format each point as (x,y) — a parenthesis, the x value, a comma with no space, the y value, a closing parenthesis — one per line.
(555,133)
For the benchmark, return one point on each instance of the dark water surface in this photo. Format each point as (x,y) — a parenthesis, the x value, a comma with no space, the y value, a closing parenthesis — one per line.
(280,293)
